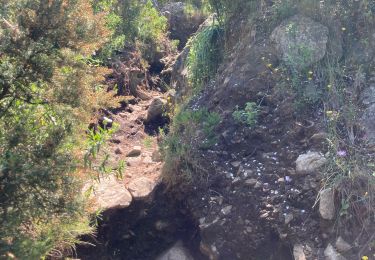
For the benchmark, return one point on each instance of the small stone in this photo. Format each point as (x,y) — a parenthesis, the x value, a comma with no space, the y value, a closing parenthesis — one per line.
(288,218)
(148,160)
(236,164)
(251,182)
(342,246)
(118,151)
(236,180)
(136,151)
(226,210)
(327,204)
(258,185)
(298,252)
(331,254)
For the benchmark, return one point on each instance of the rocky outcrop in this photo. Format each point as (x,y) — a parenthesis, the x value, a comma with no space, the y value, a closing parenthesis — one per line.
(182,24)
(300,41)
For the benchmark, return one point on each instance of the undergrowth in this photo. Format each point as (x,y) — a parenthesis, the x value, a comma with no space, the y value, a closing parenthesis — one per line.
(178,147)
(206,53)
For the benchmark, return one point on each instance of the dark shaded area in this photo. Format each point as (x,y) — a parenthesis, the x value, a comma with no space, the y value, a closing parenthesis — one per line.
(153,127)
(143,231)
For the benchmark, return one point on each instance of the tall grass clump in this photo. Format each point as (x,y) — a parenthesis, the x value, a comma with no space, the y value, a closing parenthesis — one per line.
(206,53)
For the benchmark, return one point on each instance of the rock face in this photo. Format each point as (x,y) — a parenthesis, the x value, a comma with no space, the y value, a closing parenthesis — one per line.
(141,187)
(309,162)
(177,252)
(327,204)
(181,23)
(300,41)
(110,193)
(156,109)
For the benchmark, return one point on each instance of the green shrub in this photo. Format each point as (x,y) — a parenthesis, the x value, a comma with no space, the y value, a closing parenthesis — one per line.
(248,116)
(205,56)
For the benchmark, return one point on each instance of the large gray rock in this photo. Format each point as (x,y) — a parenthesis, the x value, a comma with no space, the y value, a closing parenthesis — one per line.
(327,204)
(141,187)
(298,252)
(331,254)
(342,246)
(111,193)
(156,109)
(177,252)
(300,41)
(309,162)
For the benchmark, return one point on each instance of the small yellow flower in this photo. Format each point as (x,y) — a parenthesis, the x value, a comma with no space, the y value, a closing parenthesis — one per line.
(329,86)
(329,112)
(310,72)
(269,65)
(365,257)
(309,78)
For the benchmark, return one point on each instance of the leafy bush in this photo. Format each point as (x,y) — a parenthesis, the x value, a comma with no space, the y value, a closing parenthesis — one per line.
(248,116)
(49,90)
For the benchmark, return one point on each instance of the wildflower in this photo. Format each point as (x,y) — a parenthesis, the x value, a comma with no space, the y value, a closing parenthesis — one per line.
(309,78)
(329,86)
(310,72)
(365,257)
(329,112)
(341,153)
(269,65)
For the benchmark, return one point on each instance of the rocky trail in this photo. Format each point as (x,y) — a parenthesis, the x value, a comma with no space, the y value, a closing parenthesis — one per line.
(257,193)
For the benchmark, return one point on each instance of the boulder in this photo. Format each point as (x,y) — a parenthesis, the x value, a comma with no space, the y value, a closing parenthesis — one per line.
(331,254)
(300,41)
(141,187)
(135,152)
(327,204)
(342,246)
(111,193)
(309,162)
(156,109)
(177,252)
(298,252)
